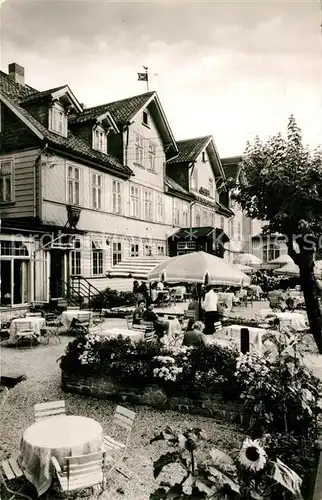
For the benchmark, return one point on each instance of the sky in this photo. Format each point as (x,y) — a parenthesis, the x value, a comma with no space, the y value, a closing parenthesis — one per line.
(233,69)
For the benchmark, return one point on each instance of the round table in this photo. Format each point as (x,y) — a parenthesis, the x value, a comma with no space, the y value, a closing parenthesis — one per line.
(68,316)
(29,323)
(60,437)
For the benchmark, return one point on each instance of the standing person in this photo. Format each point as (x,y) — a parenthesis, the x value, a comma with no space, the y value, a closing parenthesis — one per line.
(143,289)
(211,311)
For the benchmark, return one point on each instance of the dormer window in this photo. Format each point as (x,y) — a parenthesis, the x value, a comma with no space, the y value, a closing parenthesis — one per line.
(58,119)
(145,118)
(99,139)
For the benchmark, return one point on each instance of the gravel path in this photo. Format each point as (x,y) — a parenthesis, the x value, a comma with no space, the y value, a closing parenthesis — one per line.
(43,384)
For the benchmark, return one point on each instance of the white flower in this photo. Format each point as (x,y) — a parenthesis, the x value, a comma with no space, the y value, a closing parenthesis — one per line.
(252,456)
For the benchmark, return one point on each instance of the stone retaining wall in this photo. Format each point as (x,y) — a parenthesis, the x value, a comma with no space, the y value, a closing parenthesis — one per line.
(154,396)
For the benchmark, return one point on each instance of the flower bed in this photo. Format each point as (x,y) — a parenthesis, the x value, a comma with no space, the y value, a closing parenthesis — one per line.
(273,393)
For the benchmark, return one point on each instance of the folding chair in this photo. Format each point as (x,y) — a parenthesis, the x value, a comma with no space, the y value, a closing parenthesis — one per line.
(12,471)
(4,394)
(129,320)
(123,421)
(149,336)
(26,338)
(51,409)
(80,472)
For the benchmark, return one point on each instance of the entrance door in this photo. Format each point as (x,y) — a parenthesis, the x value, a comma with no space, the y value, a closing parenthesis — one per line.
(57,274)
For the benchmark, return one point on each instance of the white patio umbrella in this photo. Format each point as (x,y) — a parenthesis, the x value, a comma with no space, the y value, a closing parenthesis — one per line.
(292,269)
(249,259)
(244,269)
(281,260)
(198,267)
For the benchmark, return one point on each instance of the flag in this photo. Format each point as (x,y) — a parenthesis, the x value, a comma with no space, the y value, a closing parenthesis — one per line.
(143,77)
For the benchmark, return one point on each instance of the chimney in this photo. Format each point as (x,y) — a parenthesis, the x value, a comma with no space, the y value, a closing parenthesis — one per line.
(17,73)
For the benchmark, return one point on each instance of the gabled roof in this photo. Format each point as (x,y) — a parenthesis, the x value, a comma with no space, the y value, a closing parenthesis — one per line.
(12,89)
(125,110)
(231,166)
(71,144)
(12,94)
(122,111)
(189,149)
(55,93)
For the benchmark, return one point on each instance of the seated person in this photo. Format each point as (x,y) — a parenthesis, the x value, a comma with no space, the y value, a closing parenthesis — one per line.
(138,313)
(150,315)
(193,335)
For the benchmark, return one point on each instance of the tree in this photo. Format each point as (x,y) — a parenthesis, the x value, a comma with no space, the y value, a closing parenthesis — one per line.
(284,189)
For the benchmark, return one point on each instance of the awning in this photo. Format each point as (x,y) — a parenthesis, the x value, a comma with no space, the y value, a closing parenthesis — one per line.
(193,233)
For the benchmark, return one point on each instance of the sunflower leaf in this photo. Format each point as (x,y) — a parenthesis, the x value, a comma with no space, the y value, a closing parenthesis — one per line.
(287,478)
(223,461)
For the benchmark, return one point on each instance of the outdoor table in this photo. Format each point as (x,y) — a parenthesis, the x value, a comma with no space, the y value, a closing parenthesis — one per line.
(61,437)
(134,335)
(70,314)
(31,323)
(255,335)
(297,320)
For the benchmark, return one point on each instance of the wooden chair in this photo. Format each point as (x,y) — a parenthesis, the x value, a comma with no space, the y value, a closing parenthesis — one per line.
(51,409)
(122,421)
(12,471)
(149,336)
(80,472)
(149,325)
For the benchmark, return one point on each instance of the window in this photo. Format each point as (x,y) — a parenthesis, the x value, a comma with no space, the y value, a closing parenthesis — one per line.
(76,259)
(194,179)
(160,250)
(134,250)
(151,156)
(145,118)
(13,248)
(148,212)
(139,148)
(232,228)
(203,157)
(148,250)
(97,183)
(197,219)
(159,208)
(205,217)
(97,254)
(58,119)
(185,218)
(117,253)
(135,204)
(99,139)
(239,235)
(73,181)
(222,223)
(117,197)
(211,187)
(6,181)
(176,213)
(212,219)
(270,252)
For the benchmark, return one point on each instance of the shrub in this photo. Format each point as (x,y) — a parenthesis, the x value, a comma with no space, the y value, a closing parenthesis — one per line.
(109,298)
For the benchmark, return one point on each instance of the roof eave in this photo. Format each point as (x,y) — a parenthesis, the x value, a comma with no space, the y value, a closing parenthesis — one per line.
(73,99)
(7,102)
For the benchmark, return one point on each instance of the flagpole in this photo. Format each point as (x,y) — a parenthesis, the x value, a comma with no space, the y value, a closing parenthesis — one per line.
(147,78)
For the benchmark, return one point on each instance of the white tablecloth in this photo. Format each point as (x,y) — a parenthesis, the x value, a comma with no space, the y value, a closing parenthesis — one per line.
(255,336)
(69,315)
(296,320)
(134,335)
(30,323)
(60,437)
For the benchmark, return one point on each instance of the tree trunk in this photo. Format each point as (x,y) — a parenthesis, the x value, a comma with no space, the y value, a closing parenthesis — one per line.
(308,284)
